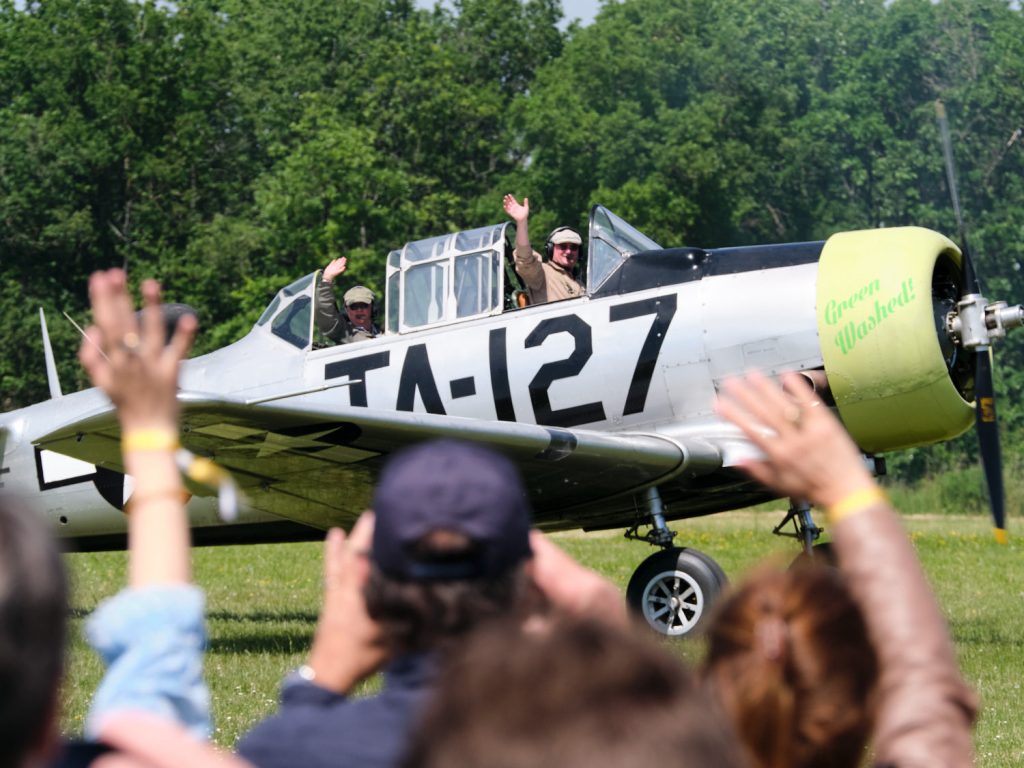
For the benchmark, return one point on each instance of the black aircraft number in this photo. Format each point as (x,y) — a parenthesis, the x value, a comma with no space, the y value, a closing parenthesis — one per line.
(417,375)
(664,309)
(583,348)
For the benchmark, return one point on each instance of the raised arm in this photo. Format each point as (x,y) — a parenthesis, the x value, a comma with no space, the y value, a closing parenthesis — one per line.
(570,587)
(151,635)
(331,322)
(527,263)
(925,708)
(347,646)
(139,372)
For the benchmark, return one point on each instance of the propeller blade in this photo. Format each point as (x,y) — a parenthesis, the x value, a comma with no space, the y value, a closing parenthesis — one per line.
(988,441)
(970,278)
(984,388)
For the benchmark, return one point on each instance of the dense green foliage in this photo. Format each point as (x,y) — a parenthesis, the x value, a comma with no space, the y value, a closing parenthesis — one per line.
(227,147)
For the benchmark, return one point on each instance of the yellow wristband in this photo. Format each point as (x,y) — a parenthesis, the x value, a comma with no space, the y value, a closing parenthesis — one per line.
(178,495)
(855,502)
(149,440)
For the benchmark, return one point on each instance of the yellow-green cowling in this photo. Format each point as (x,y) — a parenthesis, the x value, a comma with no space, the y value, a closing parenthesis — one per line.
(876,311)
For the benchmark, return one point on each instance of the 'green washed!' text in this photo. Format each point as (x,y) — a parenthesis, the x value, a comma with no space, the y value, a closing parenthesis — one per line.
(854,331)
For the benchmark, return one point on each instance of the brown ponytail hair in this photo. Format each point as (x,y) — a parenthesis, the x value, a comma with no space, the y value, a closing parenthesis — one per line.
(790,659)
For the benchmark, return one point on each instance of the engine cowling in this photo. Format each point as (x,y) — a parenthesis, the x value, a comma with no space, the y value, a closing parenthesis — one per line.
(882,297)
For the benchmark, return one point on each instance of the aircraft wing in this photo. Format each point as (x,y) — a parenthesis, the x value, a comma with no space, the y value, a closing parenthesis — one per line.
(318,466)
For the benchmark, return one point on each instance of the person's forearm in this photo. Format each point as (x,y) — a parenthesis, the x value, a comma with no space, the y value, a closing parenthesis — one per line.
(926,709)
(522,235)
(325,311)
(158,532)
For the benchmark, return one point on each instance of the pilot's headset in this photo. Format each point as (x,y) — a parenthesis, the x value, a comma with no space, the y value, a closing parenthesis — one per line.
(549,244)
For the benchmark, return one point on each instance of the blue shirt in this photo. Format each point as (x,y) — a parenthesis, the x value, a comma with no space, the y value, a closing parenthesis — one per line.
(152,641)
(318,728)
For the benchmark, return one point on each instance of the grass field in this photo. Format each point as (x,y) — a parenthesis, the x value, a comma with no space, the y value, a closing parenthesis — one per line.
(263,602)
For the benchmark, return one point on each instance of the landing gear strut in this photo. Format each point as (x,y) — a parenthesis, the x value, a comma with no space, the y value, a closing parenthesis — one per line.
(805,529)
(806,532)
(672,589)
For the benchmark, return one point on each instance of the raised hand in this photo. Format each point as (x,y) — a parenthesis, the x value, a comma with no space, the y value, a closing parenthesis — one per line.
(571,587)
(335,268)
(347,646)
(129,361)
(807,453)
(518,212)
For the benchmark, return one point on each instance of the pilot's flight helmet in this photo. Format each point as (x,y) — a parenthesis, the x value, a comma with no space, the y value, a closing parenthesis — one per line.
(359,294)
(561,235)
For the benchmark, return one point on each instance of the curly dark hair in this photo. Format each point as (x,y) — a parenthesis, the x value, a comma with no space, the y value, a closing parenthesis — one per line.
(428,615)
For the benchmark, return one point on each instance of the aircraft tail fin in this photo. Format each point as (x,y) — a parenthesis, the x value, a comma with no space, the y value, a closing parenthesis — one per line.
(51,366)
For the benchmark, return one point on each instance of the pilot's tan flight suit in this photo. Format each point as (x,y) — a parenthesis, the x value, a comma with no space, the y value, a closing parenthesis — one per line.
(545,280)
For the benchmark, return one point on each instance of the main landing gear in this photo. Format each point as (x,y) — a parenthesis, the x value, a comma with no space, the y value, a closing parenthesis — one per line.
(675,588)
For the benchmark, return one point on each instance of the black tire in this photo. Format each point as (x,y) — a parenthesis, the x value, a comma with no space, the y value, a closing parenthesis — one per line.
(713,565)
(821,554)
(673,590)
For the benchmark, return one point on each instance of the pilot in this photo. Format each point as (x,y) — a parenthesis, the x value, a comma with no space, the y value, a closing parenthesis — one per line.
(356,322)
(552,279)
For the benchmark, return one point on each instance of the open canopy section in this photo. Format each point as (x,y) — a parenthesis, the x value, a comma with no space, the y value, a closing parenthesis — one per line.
(446,279)
(612,241)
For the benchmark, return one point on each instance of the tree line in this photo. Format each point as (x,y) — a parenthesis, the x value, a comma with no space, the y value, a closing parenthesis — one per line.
(227,147)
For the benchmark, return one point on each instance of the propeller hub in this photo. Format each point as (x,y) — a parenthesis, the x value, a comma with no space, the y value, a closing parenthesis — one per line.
(974,324)
(1000,317)
(966,324)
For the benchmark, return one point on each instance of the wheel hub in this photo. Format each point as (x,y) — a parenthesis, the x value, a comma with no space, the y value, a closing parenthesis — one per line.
(673,603)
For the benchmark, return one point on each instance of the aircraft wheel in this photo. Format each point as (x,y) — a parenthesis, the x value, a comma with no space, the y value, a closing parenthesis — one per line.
(674,590)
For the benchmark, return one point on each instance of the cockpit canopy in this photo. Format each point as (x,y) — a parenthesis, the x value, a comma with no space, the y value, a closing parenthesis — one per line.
(455,277)
(469,274)
(447,278)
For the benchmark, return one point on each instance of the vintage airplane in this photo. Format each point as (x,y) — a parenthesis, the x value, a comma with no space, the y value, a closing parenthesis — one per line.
(605,402)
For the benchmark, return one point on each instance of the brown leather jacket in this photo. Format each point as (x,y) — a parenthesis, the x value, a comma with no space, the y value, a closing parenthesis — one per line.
(926,709)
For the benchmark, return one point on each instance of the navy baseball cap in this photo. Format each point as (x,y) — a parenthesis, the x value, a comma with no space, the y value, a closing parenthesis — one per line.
(452,486)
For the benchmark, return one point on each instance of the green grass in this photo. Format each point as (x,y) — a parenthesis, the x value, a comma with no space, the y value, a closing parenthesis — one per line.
(263,602)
